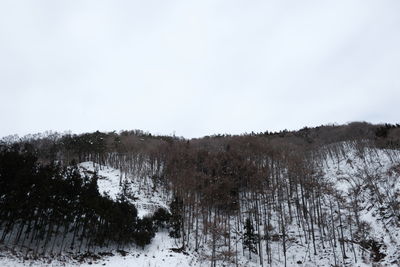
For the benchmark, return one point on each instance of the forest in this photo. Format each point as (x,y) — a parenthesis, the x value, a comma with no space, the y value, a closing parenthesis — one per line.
(255,195)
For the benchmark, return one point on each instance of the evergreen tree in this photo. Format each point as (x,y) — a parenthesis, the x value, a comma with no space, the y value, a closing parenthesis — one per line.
(176,208)
(144,232)
(161,217)
(250,238)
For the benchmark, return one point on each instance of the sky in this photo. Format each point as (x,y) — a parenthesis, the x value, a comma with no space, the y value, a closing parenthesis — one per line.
(195,68)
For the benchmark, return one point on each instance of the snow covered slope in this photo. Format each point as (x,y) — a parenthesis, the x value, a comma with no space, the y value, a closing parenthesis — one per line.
(140,191)
(369,181)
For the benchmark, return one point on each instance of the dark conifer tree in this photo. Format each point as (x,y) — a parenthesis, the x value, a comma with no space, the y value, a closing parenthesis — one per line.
(250,238)
(176,218)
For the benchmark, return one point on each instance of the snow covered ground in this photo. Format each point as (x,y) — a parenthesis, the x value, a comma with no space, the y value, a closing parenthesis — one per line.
(157,254)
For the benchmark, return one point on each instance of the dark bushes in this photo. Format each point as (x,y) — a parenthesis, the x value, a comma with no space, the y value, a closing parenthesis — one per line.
(161,218)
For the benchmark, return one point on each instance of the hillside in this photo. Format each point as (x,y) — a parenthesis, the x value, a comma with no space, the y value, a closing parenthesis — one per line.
(315,197)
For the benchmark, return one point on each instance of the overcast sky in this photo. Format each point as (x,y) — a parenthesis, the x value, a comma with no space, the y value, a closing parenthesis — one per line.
(197,67)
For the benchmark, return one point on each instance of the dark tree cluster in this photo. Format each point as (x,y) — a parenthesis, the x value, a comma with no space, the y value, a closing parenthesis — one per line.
(51,209)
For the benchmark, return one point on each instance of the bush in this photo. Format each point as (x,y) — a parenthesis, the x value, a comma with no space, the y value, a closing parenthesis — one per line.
(161,218)
(145,231)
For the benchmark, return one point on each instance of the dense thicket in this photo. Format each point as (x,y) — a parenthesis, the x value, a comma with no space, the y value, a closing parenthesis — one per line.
(49,207)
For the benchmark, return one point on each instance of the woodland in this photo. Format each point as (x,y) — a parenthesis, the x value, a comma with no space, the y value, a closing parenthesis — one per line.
(251,195)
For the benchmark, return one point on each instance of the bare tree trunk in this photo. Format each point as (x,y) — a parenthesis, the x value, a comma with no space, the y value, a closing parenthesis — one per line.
(341,232)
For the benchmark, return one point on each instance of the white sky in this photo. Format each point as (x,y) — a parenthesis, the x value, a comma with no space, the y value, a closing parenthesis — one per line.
(197,67)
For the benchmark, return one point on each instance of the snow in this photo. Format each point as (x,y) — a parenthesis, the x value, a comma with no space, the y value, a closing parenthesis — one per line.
(352,170)
(157,254)
(145,200)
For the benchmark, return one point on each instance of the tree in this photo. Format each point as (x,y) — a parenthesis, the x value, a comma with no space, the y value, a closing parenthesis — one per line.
(176,218)
(161,217)
(250,239)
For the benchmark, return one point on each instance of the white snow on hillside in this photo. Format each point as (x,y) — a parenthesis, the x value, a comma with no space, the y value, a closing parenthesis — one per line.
(157,254)
(373,172)
(344,170)
(139,189)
